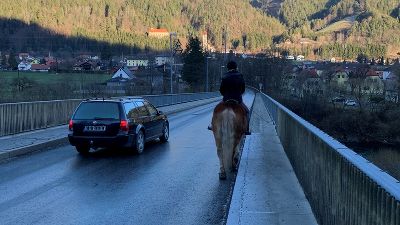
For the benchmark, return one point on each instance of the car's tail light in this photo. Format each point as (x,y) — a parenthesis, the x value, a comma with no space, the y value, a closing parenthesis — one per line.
(71,125)
(123,125)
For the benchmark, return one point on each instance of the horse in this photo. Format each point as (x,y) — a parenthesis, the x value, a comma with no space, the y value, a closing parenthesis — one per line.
(229,124)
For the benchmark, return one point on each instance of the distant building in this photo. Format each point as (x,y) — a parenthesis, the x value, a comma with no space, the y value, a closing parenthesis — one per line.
(137,62)
(372,84)
(24,66)
(83,66)
(161,60)
(40,68)
(300,58)
(121,79)
(157,33)
(290,57)
(23,56)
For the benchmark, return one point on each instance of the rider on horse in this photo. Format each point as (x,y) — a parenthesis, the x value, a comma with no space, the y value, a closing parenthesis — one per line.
(232,87)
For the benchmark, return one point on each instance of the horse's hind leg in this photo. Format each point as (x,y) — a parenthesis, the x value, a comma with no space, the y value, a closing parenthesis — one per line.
(222,173)
(236,155)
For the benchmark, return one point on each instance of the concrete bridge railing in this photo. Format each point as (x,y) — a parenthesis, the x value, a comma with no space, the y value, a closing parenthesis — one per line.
(27,116)
(341,186)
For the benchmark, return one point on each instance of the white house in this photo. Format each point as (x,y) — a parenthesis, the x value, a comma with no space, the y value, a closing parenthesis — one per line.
(161,60)
(24,66)
(137,62)
(300,58)
(123,72)
(121,79)
(290,57)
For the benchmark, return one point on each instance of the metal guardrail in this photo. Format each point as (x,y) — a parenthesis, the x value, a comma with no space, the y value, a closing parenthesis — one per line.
(342,187)
(27,116)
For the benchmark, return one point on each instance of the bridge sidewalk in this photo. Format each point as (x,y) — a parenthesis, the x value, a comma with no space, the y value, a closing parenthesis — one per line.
(267,190)
(23,143)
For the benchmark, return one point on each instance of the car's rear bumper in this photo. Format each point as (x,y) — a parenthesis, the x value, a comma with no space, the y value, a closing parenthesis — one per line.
(116,141)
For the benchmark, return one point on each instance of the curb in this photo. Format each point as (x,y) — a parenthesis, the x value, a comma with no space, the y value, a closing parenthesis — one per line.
(64,140)
(32,148)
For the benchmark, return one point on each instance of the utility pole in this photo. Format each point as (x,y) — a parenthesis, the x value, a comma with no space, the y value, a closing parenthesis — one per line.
(171,36)
(224,38)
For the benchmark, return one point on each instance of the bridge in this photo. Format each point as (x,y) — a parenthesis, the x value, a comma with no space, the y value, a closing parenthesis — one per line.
(290,172)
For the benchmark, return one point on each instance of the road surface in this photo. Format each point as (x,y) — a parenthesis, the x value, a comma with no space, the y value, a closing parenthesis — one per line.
(172,183)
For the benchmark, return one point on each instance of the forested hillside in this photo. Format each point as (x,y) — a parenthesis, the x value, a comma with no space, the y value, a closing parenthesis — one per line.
(126,22)
(358,22)
(344,27)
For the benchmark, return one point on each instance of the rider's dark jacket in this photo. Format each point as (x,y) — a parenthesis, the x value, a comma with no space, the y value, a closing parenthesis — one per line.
(232,86)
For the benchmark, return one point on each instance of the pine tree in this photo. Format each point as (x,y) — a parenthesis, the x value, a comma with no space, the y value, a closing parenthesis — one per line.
(4,61)
(12,61)
(193,71)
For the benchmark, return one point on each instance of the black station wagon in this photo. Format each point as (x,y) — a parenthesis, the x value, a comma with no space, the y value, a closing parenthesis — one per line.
(126,122)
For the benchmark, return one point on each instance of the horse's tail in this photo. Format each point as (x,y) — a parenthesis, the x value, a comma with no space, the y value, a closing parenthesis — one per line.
(228,137)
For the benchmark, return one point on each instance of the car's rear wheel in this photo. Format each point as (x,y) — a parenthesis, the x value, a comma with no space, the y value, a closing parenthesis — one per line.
(165,133)
(139,148)
(82,149)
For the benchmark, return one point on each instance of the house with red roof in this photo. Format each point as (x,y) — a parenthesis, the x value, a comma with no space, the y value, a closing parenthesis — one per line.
(157,33)
(372,84)
(40,68)
(312,83)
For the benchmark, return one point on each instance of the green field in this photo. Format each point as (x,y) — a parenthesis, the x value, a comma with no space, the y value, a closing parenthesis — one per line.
(53,78)
(344,24)
(46,86)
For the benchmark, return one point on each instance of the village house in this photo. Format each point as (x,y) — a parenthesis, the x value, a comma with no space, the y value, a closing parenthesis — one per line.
(383,73)
(289,81)
(340,80)
(23,56)
(372,84)
(24,66)
(157,33)
(392,88)
(84,66)
(311,83)
(161,60)
(40,68)
(121,79)
(137,63)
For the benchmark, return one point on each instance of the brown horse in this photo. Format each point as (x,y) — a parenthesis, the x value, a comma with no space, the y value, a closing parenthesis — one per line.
(229,124)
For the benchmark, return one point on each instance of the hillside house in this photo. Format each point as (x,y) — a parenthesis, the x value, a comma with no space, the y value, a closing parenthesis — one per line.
(372,84)
(157,33)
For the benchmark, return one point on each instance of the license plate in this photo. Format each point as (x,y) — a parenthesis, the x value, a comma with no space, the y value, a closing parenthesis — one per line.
(95,128)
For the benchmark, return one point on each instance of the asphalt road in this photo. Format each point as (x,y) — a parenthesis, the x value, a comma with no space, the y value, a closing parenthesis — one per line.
(172,183)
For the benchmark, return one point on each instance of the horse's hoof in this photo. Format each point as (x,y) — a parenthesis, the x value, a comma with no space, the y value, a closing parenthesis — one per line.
(247,133)
(222,176)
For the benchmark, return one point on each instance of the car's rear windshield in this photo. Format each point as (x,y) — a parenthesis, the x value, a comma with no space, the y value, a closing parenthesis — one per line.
(97,111)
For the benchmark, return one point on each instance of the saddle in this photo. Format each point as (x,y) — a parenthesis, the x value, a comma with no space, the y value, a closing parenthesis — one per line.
(232,101)
(236,102)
